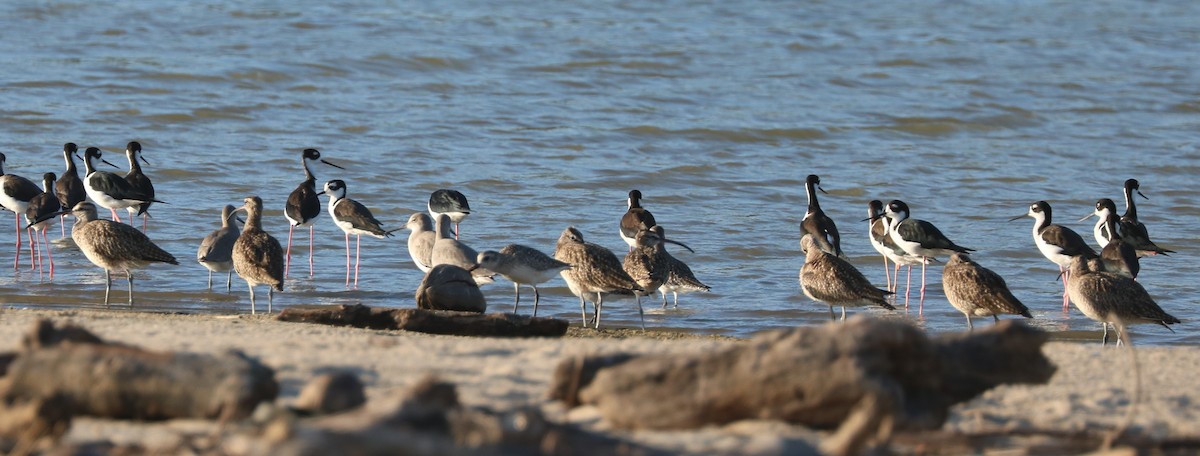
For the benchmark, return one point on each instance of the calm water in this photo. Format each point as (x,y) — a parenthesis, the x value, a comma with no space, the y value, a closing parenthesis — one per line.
(545,114)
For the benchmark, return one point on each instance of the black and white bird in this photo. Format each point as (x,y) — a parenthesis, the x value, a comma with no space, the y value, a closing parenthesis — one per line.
(1132,230)
(15,194)
(68,187)
(1118,256)
(882,242)
(108,190)
(918,238)
(43,211)
(1057,243)
(449,202)
(303,206)
(636,219)
(818,225)
(139,181)
(353,218)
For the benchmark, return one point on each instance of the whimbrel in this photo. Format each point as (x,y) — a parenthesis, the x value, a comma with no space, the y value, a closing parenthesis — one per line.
(353,218)
(447,250)
(109,190)
(139,181)
(648,265)
(594,270)
(303,206)
(114,246)
(258,257)
(680,278)
(420,240)
(829,279)
(523,266)
(1132,230)
(216,250)
(1056,242)
(69,188)
(451,203)
(1111,298)
(816,223)
(44,209)
(918,238)
(636,219)
(978,291)
(15,194)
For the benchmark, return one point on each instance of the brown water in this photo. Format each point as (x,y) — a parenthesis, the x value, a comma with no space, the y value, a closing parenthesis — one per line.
(546,114)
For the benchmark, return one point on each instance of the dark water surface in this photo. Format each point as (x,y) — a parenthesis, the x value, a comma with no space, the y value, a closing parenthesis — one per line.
(546,113)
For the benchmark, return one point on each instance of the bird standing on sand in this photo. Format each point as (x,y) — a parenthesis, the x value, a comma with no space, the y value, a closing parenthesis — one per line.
(353,218)
(303,206)
(918,238)
(523,266)
(69,188)
(1111,298)
(40,216)
(109,190)
(978,291)
(636,219)
(449,202)
(114,246)
(15,194)
(421,238)
(1132,230)
(680,278)
(816,223)
(1056,242)
(138,181)
(258,257)
(834,281)
(216,250)
(594,269)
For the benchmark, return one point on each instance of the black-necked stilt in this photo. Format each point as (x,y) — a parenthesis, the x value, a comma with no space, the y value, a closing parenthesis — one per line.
(69,188)
(918,238)
(447,250)
(636,219)
(1133,231)
(1056,242)
(449,202)
(15,194)
(826,278)
(1111,298)
(138,181)
(882,241)
(523,266)
(420,240)
(680,278)
(109,190)
(649,265)
(257,256)
(978,291)
(44,209)
(1118,256)
(114,246)
(303,206)
(816,223)
(595,270)
(216,250)
(353,218)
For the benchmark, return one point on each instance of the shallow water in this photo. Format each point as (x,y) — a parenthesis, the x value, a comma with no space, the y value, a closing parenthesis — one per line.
(546,115)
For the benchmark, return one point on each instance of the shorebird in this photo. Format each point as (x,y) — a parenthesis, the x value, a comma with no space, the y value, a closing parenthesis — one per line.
(594,269)
(816,223)
(353,218)
(15,194)
(303,206)
(40,215)
(257,256)
(636,218)
(834,281)
(680,278)
(447,250)
(882,242)
(216,250)
(1056,242)
(1133,231)
(648,264)
(109,190)
(523,266)
(1117,255)
(114,246)
(420,240)
(978,291)
(918,238)
(138,181)
(451,203)
(69,188)
(1111,298)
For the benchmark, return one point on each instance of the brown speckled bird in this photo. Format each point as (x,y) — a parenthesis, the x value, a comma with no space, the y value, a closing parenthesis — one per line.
(258,257)
(594,269)
(978,291)
(1111,298)
(114,245)
(680,278)
(833,281)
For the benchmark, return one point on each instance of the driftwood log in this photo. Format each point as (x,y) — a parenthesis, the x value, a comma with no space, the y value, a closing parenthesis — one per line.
(864,377)
(428,321)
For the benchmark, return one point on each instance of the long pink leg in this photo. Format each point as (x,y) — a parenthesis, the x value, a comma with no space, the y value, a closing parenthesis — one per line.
(49,255)
(347,260)
(114,214)
(896,283)
(35,253)
(287,264)
(887,274)
(310,251)
(907,286)
(17,259)
(1066,274)
(144,217)
(456,231)
(62,224)
(921,306)
(357,249)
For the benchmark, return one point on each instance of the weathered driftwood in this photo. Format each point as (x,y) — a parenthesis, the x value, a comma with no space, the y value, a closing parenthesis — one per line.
(23,423)
(863,377)
(449,287)
(114,381)
(331,393)
(428,321)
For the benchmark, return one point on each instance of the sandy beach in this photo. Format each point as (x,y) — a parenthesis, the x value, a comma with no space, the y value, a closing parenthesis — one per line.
(1090,392)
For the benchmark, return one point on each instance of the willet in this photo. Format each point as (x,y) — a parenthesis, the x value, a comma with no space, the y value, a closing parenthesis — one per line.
(648,265)
(523,266)
(1056,242)
(258,257)
(1132,230)
(835,282)
(594,269)
(680,278)
(1111,298)
(447,250)
(15,194)
(41,214)
(303,206)
(109,190)
(1117,255)
(138,181)
(69,188)
(918,238)
(978,291)
(451,203)
(636,218)
(216,250)
(420,240)
(816,223)
(114,246)
(353,218)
